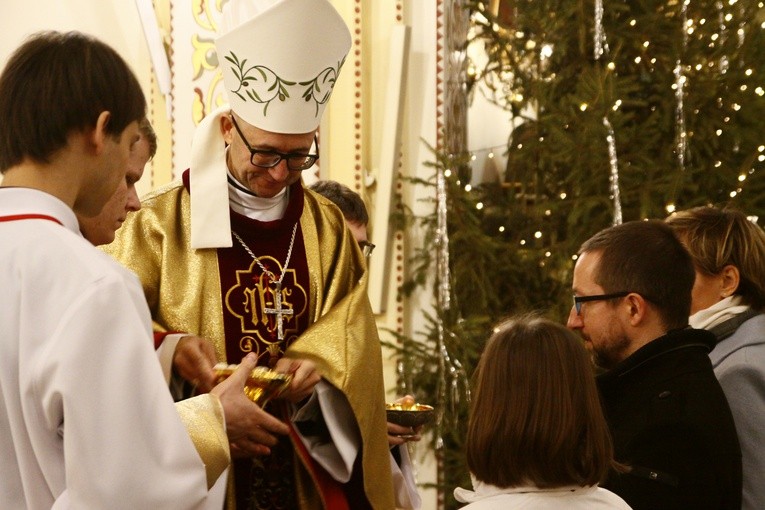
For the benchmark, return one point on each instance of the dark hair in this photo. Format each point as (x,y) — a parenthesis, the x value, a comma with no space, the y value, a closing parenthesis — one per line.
(147,132)
(647,258)
(57,83)
(716,238)
(349,202)
(535,413)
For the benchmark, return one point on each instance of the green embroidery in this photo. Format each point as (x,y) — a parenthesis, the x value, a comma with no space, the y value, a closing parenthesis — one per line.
(318,89)
(314,87)
(248,79)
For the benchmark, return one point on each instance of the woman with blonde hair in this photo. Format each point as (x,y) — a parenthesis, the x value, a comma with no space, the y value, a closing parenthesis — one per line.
(537,438)
(728,299)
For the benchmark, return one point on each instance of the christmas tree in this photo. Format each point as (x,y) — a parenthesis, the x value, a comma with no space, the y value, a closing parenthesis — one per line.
(630,110)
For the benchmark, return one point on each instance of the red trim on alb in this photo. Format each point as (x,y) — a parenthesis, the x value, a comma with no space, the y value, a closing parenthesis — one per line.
(17,217)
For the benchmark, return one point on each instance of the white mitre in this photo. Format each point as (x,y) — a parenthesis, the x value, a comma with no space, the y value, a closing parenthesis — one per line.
(280,60)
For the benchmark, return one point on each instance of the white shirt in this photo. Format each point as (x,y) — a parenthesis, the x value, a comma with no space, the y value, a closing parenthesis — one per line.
(86,420)
(490,497)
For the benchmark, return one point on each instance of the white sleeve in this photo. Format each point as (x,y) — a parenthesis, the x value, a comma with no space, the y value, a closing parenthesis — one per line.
(327,427)
(123,442)
(404,486)
(165,353)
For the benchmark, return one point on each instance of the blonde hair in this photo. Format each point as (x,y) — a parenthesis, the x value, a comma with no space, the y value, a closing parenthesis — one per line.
(716,238)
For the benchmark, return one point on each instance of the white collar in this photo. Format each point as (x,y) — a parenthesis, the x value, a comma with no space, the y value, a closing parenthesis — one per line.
(19,200)
(255,207)
(483,490)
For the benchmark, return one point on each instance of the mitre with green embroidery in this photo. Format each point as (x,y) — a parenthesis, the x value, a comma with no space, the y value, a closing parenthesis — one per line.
(280,60)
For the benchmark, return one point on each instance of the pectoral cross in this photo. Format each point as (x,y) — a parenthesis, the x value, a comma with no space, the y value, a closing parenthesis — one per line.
(278,311)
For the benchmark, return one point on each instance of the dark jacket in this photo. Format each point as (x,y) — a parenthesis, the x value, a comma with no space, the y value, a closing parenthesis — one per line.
(671,424)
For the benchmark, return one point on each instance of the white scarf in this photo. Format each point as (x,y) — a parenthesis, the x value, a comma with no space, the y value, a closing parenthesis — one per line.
(717,313)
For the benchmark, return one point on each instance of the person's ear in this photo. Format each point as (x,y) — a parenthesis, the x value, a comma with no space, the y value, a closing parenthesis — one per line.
(226,128)
(637,307)
(730,279)
(99,134)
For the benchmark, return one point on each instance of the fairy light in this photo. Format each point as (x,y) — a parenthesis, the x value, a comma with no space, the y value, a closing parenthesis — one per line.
(502,228)
(563,196)
(538,234)
(468,188)
(523,242)
(447,173)
(479,205)
(670,208)
(583,106)
(742,178)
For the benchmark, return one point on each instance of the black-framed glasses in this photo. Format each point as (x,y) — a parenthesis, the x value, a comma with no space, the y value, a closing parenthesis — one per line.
(366,248)
(296,161)
(578,300)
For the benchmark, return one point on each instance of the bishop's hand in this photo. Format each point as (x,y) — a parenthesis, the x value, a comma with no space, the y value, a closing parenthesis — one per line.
(305,376)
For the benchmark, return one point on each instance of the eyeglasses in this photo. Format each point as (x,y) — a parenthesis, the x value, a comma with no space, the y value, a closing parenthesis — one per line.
(366,248)
(578,300)
(296,161)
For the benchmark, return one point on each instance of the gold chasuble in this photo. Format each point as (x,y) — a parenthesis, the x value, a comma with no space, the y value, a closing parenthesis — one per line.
(321,313)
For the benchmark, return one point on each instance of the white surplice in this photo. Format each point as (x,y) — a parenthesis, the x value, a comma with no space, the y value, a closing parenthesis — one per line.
(86,420)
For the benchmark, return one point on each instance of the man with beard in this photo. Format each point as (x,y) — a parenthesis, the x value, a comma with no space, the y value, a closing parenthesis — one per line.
(671,424)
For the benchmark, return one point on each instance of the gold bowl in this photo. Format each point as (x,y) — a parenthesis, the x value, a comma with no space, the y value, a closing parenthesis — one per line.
(412,415)
(261,386)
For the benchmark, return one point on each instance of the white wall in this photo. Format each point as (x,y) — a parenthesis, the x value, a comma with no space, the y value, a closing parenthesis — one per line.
(115,22)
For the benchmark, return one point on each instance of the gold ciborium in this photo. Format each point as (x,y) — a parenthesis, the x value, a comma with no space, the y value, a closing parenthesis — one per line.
(261,386)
